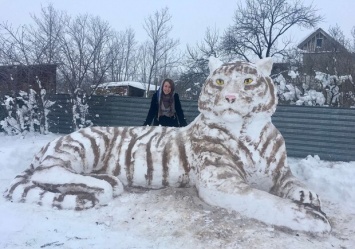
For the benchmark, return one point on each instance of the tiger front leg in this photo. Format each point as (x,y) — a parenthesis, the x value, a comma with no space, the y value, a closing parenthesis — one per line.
(291,188)
(224,187)
(288,186)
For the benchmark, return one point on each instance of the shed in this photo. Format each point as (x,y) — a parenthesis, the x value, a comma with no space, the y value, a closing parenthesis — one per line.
(320,41)
(123,88)
(321,52)
(16,78)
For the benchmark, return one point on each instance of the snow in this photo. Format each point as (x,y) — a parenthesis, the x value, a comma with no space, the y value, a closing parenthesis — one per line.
(173,217)
(310,97)
(139,85)
(169,217)
(293,74)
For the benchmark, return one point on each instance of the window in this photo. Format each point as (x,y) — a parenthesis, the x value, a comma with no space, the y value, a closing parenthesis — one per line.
(319,42)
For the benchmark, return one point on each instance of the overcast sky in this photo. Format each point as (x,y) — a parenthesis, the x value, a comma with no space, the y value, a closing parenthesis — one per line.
(190,18)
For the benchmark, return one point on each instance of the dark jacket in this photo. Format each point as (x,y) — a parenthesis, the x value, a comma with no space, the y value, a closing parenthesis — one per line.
(178,120)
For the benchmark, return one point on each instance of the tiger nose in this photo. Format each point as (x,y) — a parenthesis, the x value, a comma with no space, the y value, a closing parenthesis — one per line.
(230,98)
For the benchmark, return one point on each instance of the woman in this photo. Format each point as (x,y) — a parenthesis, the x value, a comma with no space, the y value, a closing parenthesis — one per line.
(165,107)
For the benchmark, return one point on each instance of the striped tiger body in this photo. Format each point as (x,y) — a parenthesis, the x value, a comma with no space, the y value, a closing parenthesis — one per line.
(68,171)
(231,152)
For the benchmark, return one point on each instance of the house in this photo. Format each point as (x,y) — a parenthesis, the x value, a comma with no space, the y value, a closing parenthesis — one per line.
(321,52)
(324,54)
(16,78)
(123,88)
(320,41)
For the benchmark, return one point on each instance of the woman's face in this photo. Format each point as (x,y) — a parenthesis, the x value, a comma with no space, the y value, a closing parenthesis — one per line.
(166,87)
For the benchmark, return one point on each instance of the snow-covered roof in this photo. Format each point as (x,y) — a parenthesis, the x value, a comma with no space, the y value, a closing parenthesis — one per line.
(139,85)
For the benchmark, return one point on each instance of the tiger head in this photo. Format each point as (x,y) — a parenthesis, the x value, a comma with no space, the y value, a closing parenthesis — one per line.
(238,90)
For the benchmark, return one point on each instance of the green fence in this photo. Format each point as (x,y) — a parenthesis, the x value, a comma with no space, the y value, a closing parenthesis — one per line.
(60,117)
(128,111)
(324,131)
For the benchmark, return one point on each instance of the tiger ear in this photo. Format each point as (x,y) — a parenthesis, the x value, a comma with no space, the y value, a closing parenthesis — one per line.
(265,66)
(214,63)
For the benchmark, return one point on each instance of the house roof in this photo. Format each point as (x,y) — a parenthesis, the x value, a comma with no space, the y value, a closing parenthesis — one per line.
(139,85)
(310,36)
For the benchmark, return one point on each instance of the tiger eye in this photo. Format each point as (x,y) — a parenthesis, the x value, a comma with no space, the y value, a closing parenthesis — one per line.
(248,81)
(220,82)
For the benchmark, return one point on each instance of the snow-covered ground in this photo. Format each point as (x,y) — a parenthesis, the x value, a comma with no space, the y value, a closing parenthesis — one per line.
(168,218)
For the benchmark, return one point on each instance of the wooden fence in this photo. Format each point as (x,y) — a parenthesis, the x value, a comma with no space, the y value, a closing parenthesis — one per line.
(324,131)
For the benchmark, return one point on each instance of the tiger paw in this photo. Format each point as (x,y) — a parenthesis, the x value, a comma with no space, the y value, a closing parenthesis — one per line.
(85,201)
(309,219)
(306,197)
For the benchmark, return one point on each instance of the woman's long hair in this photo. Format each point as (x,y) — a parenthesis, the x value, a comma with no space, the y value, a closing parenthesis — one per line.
(171,96)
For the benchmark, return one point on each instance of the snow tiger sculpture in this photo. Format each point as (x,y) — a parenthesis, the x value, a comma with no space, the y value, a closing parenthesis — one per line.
(231,152)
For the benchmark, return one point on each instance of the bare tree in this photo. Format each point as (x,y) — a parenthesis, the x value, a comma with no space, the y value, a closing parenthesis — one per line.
(143,63)
(34,44)
(116,58)
(210,44)
(352,42)
(44,41)
(46,33)
(85,49)
(15,47)
(260,24)
(130,51)
(159,44)
(338,35)
(124,48)
(86,56)
(196,64)
(339,60)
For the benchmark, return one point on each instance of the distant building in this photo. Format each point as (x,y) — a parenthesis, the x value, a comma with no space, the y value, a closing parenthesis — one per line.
(15,78)
(323,53)
(320,42)
(123,88)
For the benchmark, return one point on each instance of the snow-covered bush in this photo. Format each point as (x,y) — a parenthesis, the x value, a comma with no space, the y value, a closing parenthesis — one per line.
(311,98)
(319,90)
(9,124)
(80,110)
(339,90)
(44,104)
(21,113)
(26,112)
(286,92)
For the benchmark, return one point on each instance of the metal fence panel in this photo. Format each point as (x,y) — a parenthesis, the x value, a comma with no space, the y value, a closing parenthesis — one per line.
(128,111)
(60,117)
(324,131)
